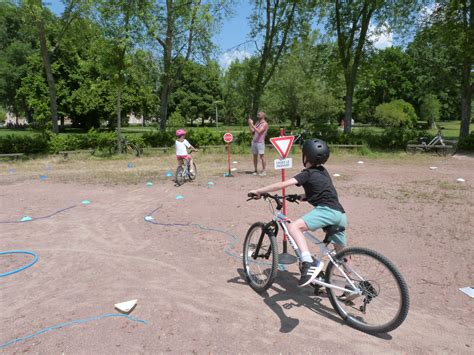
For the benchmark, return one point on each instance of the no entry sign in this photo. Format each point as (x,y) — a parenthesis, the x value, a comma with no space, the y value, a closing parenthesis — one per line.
(228,137)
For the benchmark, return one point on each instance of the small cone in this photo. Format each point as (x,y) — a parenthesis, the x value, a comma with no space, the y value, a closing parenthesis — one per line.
(126,307)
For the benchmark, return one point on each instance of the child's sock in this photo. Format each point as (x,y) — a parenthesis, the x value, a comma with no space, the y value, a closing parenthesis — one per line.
(306,257)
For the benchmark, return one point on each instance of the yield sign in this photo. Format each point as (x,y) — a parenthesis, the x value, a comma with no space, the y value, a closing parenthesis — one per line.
(283,144)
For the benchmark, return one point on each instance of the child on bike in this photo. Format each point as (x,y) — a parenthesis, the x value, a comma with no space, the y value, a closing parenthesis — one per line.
(182,146)
(320,192)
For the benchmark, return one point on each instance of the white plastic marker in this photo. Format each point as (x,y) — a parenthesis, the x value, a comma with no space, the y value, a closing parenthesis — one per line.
(149,218)
(433,167)
(235,162)
(360,162)
(460,180)
(126,307)
(336,175)
(468,291)
(210,184)
(233,169)
(149,183)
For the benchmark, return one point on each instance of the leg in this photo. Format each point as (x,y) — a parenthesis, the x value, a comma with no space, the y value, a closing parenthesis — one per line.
(255,163)
(310,268)
(191,168)
(264,164)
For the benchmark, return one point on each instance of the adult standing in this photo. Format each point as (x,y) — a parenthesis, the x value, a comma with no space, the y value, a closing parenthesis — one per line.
(259,131)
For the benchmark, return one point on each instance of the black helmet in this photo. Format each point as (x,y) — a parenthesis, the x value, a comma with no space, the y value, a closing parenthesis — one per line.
(315,151)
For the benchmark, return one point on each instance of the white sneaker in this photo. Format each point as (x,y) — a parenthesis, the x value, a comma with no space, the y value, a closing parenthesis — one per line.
(263,173)
(254,173)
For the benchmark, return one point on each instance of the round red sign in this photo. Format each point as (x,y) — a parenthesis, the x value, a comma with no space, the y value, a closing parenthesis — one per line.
(228,137)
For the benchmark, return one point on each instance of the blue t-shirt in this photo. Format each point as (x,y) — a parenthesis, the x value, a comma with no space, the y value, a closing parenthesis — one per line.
(318,187)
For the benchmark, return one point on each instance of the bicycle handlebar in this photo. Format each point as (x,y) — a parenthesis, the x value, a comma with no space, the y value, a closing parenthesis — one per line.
(277,198)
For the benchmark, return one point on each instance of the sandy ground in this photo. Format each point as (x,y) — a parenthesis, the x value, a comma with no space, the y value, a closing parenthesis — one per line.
(188,278)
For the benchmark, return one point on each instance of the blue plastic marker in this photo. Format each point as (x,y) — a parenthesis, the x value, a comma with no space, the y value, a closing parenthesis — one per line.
(149,183)
(169,173)
(179,197)
(43,177)
(85,202)
(210,184)
(130,165)
(26,219)
(11,170)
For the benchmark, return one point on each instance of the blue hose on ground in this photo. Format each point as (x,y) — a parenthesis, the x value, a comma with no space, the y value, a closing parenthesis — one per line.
(227,249)
(44,217)
(62,325)
(35,259)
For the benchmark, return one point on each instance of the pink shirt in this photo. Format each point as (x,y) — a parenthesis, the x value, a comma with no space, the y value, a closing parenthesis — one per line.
(259,137)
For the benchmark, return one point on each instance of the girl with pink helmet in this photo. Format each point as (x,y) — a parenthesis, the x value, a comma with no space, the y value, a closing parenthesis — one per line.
(182,146)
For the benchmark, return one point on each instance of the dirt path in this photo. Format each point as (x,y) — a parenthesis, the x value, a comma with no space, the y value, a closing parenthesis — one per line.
(188,279)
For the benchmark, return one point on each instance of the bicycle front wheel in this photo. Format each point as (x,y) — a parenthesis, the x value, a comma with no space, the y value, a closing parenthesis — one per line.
(180,176)
(260,257)
(382,302)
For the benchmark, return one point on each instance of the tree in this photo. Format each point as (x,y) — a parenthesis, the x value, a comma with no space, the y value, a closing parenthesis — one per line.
(122,25)
(430,109)
(186,35)
(456,20)
(276,22)
(350,20)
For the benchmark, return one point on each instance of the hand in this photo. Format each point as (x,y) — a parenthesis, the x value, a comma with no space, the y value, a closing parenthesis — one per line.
(256,193)
(250,121)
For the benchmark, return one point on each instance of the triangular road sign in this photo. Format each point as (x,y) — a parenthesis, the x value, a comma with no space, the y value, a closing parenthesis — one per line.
(283,144)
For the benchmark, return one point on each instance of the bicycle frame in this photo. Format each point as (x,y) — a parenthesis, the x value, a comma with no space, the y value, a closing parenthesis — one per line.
(324,251)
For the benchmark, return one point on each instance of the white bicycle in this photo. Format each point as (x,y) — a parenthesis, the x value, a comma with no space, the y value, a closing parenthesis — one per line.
(363,286)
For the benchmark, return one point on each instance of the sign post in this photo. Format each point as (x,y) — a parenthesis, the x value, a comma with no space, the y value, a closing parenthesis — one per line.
(228,139)
(283,146)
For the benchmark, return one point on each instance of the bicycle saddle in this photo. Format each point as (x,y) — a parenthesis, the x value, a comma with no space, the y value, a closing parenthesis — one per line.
(331,230)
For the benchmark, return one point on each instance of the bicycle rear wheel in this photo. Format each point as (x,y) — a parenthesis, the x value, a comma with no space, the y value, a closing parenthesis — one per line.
(383,303)
(193,175)
(260,257)
(180,176)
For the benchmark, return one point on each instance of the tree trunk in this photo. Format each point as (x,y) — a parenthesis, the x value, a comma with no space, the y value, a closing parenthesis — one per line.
(348,113)
(466,100)
(119,119)
(49,76)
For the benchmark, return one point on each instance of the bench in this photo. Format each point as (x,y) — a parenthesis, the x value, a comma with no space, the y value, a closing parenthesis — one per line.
(429,147)
(12,156)
(66,153)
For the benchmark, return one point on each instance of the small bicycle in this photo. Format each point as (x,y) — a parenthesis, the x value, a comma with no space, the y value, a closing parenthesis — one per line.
(373,296)
(184,174)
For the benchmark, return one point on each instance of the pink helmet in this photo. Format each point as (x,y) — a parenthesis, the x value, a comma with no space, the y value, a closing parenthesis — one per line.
(180,132)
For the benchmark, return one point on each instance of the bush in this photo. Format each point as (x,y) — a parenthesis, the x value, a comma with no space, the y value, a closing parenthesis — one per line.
(398,113)
(159,139)
(102,140)
(176,120)
(204,136)
(60,142)
(430,109)
(467,143)
(24,144)
(244,138)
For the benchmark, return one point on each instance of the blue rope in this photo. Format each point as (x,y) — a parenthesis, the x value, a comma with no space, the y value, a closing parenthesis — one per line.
(44,217)
(62,325)
(35,259)
(227,249)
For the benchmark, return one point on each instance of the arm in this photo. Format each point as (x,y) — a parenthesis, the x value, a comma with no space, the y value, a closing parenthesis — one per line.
(251,125)
(260,129)
(276,186)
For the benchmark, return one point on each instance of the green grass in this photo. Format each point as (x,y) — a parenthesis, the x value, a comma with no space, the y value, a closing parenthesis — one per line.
(451,129)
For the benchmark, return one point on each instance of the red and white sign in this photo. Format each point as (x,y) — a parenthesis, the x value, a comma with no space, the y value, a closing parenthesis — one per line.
(228,137)
(283,144)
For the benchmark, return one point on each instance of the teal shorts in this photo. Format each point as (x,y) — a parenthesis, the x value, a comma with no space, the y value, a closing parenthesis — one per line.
(322,216)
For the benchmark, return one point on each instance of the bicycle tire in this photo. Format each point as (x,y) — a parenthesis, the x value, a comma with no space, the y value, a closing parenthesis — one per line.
(260,274)
(378,310)
(193,176)
(180,176)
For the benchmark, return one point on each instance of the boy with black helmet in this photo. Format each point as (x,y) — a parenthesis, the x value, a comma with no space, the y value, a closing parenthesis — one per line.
(320,192)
